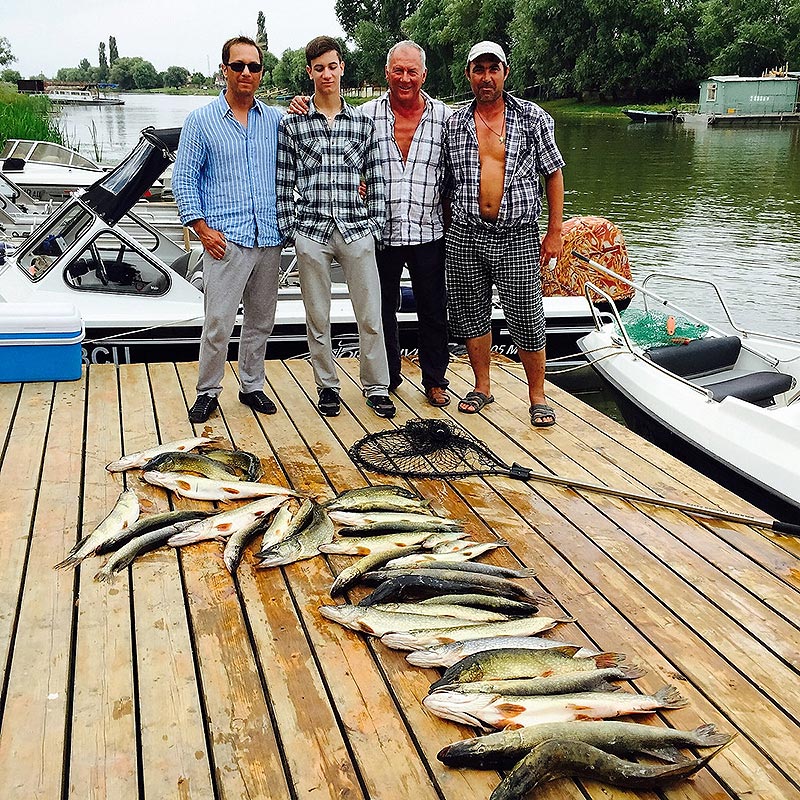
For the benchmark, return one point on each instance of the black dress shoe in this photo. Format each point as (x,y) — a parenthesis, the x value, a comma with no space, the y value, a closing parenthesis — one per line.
(329,403)
(259,401)
(203,407)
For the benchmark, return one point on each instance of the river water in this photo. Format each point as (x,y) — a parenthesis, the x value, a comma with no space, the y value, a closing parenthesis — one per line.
(718,204)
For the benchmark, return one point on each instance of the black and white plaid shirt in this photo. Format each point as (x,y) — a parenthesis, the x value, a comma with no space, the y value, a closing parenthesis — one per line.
(413,187)
(325,165)
(531,151)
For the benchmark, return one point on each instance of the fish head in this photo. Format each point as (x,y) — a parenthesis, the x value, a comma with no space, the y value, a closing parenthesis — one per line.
(459,707)
(163,462)
(341,614)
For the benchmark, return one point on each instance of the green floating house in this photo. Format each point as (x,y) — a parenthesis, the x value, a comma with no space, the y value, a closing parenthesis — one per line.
(733,99)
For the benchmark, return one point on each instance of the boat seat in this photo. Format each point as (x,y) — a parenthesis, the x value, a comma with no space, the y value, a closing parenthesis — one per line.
(758,388)
(13,165)
(698,357)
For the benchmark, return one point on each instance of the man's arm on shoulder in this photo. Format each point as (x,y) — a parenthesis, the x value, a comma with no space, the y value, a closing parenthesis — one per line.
(299,104)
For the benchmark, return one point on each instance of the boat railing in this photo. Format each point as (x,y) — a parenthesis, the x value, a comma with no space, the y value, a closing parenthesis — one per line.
(590,288)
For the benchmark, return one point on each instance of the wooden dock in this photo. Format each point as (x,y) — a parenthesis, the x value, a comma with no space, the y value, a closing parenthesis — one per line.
(177,681)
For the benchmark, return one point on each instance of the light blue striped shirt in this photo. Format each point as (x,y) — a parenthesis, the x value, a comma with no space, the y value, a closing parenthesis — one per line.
(225,173)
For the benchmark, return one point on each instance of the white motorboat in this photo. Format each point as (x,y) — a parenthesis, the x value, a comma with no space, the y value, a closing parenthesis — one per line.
(725,402)
(140,295)
(50,171)
(84,95)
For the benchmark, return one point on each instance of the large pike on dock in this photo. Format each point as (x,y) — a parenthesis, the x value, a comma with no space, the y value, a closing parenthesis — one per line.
(135,460)
(196,488)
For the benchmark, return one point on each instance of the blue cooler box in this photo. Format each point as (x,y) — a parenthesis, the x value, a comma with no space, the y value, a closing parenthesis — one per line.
(40,342)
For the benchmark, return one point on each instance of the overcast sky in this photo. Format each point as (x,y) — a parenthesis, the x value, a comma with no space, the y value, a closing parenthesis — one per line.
(50,34)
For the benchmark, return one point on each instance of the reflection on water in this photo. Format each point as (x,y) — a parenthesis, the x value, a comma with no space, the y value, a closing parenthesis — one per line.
(721,204)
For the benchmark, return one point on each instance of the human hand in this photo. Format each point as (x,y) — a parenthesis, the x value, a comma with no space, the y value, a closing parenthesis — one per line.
(213,241)
(552,245)
(299,105)
(362,190)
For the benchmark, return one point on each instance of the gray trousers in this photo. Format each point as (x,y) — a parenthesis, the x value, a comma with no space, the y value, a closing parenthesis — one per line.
(248,275)
(357,260)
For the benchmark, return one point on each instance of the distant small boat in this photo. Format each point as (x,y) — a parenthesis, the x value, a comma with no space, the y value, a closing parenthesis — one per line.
(88,95)
(639,115)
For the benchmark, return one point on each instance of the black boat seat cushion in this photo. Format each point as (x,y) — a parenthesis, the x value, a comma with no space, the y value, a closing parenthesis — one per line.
(698,357)
(758,388)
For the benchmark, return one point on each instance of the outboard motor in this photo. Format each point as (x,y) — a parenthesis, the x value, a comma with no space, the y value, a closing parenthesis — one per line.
(116,193)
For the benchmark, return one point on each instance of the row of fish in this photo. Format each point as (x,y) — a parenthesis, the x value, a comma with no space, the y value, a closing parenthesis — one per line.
(551,700)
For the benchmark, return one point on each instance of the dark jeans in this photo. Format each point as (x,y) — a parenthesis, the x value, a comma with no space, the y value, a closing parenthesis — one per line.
(425,264)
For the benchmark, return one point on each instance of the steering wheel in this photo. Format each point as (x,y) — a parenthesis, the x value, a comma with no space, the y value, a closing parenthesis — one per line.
(99,266)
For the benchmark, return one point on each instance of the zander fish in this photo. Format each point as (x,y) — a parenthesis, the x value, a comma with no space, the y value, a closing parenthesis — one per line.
(497,711)
(418,640)
(150,523)
(134,460)
(598,680)
(485,569)
(248,464)
(445,655)
(302,545)
(362,523)
(350,575)
(503,605)
(378,498)
(557,758)
(226,523)
(190,462)
(443,610)
(510,663)
(196,488)
(122,516)
(143,543)
(503,749)
(451,551)
(280,527)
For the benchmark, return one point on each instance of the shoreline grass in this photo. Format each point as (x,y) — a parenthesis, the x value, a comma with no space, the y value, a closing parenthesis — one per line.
(26,117)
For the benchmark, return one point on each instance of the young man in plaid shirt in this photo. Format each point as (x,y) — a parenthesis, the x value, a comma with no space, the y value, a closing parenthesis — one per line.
(323,156)
(497,149)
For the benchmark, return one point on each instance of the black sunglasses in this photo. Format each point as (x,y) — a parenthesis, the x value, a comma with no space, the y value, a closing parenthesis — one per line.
(238,66)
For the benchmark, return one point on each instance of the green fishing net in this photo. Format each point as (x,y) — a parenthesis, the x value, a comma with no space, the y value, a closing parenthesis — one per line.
(654,328)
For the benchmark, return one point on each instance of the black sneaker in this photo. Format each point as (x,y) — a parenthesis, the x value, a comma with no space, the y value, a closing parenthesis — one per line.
(203,407)
(259,401)
(329,404)
(382,405)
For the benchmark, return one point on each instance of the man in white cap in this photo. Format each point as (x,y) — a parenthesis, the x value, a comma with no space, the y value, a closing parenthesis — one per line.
(497,149)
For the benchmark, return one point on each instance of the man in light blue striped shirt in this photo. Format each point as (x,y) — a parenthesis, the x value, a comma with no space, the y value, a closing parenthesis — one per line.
(224,185)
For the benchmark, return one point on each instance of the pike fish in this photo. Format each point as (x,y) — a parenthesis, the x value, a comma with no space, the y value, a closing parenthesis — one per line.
(302,545)
(443,610)
(121,517)
(503,605)
(351,546)
(142,544)
(598,680)
(378,498)
(205,489)
(277,533)
(418,640)
(226,523)
(190,462)
(378,623)
(149,523)
(347,577)
(248,464)
(279,528)
(510,663)
(497,711)
(234,547)
(485,569)
(445,655)
(134,460)
(476,582)
(357,524)
(557,758)
(503,749)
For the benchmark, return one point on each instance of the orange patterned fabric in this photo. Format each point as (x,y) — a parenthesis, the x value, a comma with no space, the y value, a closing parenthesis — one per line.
(600,240)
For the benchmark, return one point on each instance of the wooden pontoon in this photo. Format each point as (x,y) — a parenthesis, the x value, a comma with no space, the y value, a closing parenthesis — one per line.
(177,681)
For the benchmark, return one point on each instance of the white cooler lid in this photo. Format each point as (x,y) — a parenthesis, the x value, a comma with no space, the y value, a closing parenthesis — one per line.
(28,318)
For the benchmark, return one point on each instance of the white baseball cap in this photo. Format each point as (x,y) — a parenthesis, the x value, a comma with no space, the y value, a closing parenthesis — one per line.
(487,49)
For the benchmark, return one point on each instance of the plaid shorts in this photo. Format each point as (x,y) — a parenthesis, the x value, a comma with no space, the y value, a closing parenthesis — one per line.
(478,256)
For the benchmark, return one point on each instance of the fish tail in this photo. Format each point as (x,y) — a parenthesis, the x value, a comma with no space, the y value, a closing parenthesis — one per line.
(104,575)
(708,736)
(669,697)
(608,660)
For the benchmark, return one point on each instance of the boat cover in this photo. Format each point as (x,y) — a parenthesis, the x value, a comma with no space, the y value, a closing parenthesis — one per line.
(118,191)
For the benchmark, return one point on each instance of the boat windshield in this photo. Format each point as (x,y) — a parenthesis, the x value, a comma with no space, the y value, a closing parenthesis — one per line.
(14,148)
(49,153)
(108,264)
(50,241)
